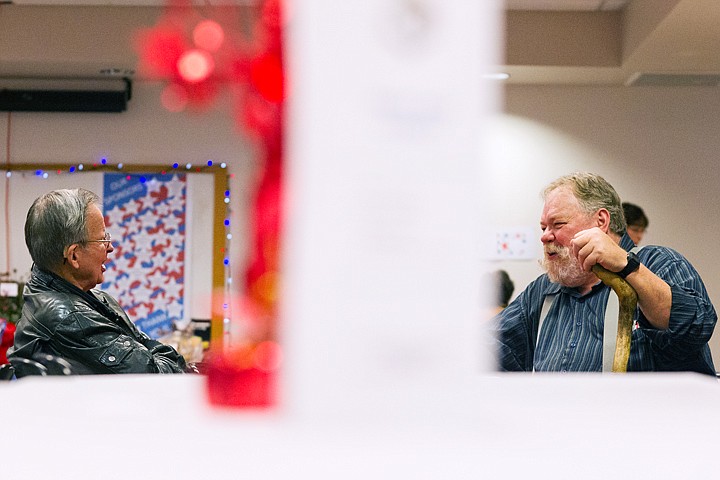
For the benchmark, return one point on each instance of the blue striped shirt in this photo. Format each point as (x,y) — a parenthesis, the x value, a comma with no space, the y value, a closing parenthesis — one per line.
(571,338)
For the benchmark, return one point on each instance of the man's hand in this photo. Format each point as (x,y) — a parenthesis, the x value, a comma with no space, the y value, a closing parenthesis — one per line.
(593,246)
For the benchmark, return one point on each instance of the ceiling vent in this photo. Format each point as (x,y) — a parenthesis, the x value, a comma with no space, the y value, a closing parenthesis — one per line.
(64,95)
(673,80)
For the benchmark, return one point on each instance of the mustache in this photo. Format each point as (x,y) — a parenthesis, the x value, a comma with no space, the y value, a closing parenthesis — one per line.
(548,249)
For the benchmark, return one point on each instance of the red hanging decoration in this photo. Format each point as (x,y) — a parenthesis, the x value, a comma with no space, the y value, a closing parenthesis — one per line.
(197,55)
(260,113)
(196,51)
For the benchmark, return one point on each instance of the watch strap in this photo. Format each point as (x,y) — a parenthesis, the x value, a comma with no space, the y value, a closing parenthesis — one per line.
(633,263)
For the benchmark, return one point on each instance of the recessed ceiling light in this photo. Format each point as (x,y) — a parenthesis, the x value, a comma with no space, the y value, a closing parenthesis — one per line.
(496,76)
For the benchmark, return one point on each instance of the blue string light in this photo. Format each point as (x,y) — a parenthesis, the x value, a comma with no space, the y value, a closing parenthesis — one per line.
(81,167)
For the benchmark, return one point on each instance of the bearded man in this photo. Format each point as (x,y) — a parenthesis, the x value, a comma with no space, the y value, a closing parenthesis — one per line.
(557,324)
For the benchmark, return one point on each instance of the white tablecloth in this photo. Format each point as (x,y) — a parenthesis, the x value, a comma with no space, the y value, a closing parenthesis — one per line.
(514,426)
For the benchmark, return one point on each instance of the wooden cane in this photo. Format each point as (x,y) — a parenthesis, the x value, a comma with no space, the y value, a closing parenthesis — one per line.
(627,298)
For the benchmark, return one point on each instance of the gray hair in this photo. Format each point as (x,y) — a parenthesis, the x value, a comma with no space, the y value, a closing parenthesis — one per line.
(55,221)
(593,193)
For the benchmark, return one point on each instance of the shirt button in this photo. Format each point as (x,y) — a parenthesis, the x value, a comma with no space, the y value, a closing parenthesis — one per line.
(127,343)
(111,358)
(573,345)
(578,324)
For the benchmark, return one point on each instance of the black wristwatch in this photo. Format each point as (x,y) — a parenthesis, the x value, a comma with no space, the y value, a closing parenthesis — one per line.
(632,265)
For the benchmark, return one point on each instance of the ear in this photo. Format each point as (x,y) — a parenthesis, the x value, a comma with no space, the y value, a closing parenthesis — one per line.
(71,255)
(603,220)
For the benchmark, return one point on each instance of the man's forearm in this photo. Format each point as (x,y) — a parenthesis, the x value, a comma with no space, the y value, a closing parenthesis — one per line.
(654,296)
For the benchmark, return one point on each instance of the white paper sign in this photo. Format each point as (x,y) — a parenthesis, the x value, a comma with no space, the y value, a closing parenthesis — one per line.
(511,243)
(9,289)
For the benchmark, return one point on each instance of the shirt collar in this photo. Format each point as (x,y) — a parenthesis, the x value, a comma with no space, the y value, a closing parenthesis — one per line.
(626,242)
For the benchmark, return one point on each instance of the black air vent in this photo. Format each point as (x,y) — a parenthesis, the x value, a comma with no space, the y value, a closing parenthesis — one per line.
(64,95)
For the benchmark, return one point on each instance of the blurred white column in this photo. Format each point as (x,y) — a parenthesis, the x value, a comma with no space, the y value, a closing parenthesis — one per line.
(385,198)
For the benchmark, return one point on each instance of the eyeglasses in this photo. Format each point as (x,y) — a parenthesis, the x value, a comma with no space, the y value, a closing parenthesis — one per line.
(107,240)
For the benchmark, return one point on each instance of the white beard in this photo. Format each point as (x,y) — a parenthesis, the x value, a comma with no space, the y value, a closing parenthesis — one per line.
(565,269)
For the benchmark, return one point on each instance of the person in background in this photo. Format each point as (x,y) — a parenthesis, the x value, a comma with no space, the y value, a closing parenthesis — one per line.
(637,222)
(63,314)
(582,224)
(503,289)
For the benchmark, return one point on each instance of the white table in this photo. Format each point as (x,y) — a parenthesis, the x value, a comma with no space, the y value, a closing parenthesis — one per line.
(514,426)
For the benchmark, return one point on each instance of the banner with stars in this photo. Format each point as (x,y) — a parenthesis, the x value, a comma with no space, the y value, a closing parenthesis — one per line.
(145,214)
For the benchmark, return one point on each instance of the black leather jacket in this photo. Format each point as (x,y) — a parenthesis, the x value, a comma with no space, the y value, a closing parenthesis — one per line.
(86,328)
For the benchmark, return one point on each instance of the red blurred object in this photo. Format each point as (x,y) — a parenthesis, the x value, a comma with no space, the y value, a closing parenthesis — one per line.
(232,382)
(192,53)
(248,377)
(8,338)
(208,35)
(267,77)
(195,65)
(160,48)
(196,56)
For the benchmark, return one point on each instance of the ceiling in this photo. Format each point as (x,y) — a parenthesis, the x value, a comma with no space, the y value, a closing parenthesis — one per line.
(567,5)
(578,42)
(125,3)
(619,42)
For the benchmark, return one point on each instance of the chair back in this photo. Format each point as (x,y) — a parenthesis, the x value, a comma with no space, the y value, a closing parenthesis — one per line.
(54,365)
(7,372)
(25,367)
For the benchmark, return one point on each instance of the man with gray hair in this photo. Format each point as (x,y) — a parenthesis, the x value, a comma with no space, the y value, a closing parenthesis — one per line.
(558,322)
(63,314)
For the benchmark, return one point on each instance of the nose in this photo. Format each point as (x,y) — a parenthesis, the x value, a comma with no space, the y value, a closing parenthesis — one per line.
(547,235)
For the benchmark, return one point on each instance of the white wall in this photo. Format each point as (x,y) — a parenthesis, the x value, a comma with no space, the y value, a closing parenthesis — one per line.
(657,146)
